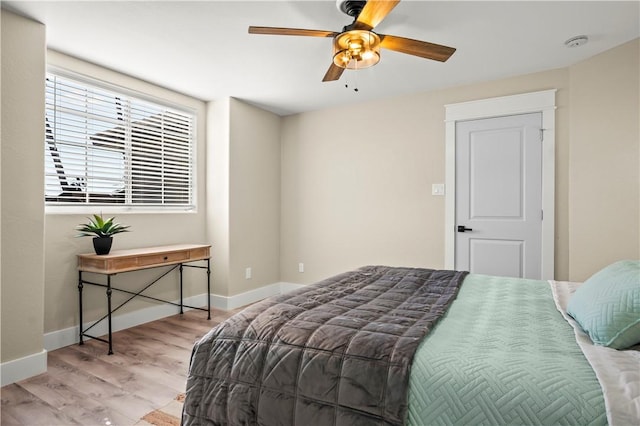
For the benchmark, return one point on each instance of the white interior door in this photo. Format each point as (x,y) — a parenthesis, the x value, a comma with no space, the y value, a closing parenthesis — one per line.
(499,196)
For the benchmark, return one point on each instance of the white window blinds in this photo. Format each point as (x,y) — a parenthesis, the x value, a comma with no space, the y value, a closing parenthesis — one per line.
(103,148)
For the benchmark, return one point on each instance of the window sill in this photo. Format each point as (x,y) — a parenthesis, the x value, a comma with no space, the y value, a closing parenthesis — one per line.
(106,210)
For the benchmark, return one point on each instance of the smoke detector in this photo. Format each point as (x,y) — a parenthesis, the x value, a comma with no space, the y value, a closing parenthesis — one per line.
(576,41)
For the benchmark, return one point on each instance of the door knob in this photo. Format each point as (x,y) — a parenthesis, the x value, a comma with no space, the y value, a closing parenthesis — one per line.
(462,228)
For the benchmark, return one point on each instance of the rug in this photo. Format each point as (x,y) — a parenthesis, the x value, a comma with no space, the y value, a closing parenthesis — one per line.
(169,415)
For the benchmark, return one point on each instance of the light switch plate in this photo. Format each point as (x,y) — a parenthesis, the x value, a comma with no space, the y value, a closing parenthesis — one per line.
(437,189)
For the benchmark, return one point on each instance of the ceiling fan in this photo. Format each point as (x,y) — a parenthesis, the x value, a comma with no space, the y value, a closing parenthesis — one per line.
(357,46)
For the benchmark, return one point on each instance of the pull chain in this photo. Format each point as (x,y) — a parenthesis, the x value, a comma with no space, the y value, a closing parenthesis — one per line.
(355,79)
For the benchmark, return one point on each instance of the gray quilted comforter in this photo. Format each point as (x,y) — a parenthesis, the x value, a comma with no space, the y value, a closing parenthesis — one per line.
(335,353)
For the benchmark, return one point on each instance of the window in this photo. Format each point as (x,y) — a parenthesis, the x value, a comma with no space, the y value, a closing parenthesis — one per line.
(104,146)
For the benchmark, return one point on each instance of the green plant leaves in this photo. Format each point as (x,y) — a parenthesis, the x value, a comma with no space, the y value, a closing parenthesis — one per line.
(97,226)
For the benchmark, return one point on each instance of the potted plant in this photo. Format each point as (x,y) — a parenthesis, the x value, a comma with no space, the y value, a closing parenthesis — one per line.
(102,232)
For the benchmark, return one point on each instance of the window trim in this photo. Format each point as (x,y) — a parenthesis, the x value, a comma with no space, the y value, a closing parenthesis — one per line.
(86,208)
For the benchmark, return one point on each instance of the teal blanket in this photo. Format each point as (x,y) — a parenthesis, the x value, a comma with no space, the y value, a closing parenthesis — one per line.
(503,355)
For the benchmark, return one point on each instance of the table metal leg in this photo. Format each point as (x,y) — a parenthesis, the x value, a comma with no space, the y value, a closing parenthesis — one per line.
(80,285)
(109,311)
(181,311)
(208,289)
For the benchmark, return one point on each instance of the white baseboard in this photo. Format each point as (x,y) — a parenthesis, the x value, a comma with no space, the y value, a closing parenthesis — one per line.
(287,287)
(252,296)
(31,365)
(23,368)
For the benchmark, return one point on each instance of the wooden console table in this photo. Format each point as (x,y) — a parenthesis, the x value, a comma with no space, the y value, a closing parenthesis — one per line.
(134,260)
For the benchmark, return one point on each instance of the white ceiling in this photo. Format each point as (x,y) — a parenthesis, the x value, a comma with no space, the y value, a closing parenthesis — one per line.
(203,49)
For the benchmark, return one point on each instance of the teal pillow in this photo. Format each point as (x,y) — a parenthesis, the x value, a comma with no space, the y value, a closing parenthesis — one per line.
(607,305)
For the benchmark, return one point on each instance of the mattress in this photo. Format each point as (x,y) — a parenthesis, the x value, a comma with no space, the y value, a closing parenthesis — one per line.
(503,354)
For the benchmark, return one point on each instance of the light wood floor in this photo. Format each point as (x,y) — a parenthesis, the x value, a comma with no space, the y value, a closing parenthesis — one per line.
(83,385)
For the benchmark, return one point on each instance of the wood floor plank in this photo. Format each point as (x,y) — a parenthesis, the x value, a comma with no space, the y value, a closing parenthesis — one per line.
(114,397)
(7,419)
(161,343)
(51,391)
(118,376)
(191,321)
(167,356)
(136,362)
(83,385)
(175,337)
(186,325)
(189,336)
(28,409)
(95,366)
(72,403)
(194,323)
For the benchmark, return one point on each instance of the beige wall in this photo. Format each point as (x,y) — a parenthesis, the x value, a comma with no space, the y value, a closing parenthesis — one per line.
(254,202)
(218,122)
(356,195)
(23,67)
(356,180)
(244,195)
(604,215)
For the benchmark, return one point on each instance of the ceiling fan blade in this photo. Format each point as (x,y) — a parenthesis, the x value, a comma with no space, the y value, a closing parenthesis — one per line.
(373,13)
(333,73)
(291,31)
(437,52)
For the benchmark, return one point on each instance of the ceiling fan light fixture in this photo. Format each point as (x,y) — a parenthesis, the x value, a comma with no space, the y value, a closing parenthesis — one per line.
(356,49)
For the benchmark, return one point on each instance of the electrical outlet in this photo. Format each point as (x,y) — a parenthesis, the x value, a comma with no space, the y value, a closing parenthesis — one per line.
(247,273)
(301,267)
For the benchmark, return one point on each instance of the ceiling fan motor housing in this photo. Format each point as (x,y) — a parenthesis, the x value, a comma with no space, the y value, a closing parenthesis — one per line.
(351,7)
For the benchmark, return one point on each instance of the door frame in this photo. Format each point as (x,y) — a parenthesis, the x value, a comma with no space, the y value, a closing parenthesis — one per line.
(542,101)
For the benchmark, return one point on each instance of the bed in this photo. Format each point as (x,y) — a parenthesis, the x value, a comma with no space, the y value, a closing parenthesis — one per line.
(389,346)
